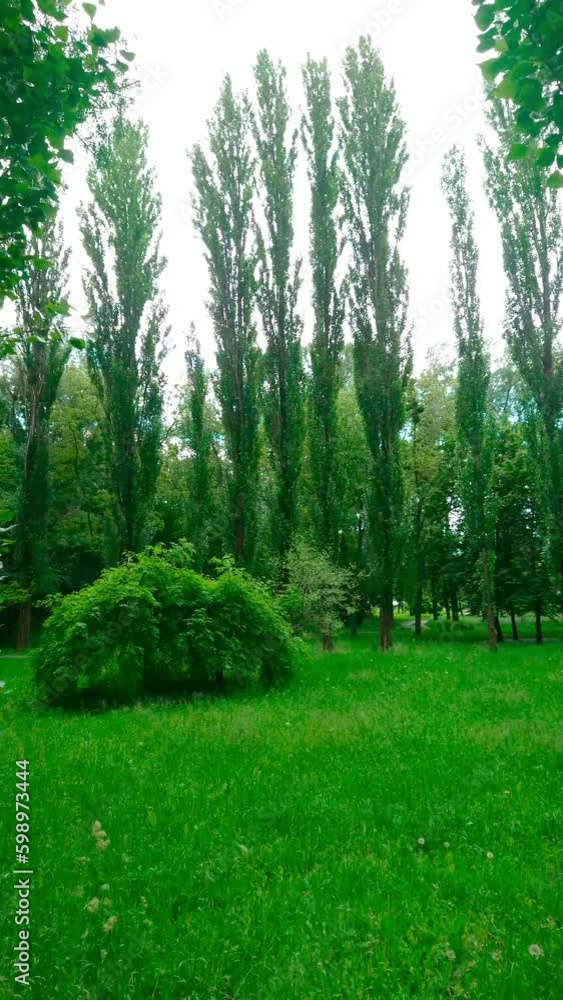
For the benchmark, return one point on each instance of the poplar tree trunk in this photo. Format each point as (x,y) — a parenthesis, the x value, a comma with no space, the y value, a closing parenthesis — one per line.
(386,622)
(498,629)
(24,627)
(455,606)
(489,601)
(515,635)
(538,612)
(418,608)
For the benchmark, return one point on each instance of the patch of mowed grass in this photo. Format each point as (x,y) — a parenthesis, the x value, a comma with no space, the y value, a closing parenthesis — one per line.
(386,827)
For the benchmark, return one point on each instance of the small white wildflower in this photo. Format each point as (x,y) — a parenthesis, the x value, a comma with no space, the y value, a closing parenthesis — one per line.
(490,855)
(495,955)
(536,950)
(447,845)
(450,955)
(421,842)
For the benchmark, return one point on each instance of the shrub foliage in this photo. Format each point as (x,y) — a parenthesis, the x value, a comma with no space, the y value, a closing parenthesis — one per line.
(154,625)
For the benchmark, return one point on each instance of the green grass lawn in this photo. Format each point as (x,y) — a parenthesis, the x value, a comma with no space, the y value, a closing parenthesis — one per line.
(386,827)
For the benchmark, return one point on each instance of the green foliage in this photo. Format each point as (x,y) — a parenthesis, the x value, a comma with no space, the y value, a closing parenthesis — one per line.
(319,594)
(200,443)
(53,73)
(153,624)
(277,291)
(473,377)
(318,134)
(127,317)
(531,230)
(81,527)
(224,219)
(34,373)
(527,69)
(430,489)
(522,579)
(375,206)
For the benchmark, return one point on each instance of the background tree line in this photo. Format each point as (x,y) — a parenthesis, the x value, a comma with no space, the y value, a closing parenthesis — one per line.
(441,491)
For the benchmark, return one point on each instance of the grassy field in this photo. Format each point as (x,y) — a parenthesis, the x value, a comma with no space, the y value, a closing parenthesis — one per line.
(387,827)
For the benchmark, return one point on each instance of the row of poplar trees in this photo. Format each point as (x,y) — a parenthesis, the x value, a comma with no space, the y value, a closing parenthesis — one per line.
(354,171)
(244,181)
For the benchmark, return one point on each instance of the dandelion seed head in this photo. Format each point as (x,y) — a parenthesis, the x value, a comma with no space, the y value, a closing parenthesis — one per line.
(536,950)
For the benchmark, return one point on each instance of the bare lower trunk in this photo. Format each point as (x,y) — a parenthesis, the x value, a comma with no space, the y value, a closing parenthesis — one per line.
(447,604)
(539,634)
(418,610)
(515,635)
(455,607)
(489,601)
(498,629)
(24,627)
(328,641)
(386,623)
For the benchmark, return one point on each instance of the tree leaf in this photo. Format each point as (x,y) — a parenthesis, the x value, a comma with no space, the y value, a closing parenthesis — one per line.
(518,151)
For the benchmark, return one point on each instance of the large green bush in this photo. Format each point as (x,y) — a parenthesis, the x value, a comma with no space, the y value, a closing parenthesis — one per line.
(154,625)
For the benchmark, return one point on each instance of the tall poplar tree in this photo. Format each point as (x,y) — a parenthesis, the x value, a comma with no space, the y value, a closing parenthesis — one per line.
(225,182)
(121,232)
(375,206)
(473,374)
(531,228)
(318,132)
(199,439)
(40,358)
(278,287)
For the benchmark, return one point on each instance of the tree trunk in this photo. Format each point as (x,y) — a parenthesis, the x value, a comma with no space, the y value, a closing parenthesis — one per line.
(418,609)
(455,606)
(498,629)
(447,604)
(538,611)
(489,601)
(24,627)
(386,622)
(515,635)
(328,641)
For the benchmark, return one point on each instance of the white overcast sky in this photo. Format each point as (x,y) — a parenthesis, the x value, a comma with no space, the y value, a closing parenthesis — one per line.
(184,48)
